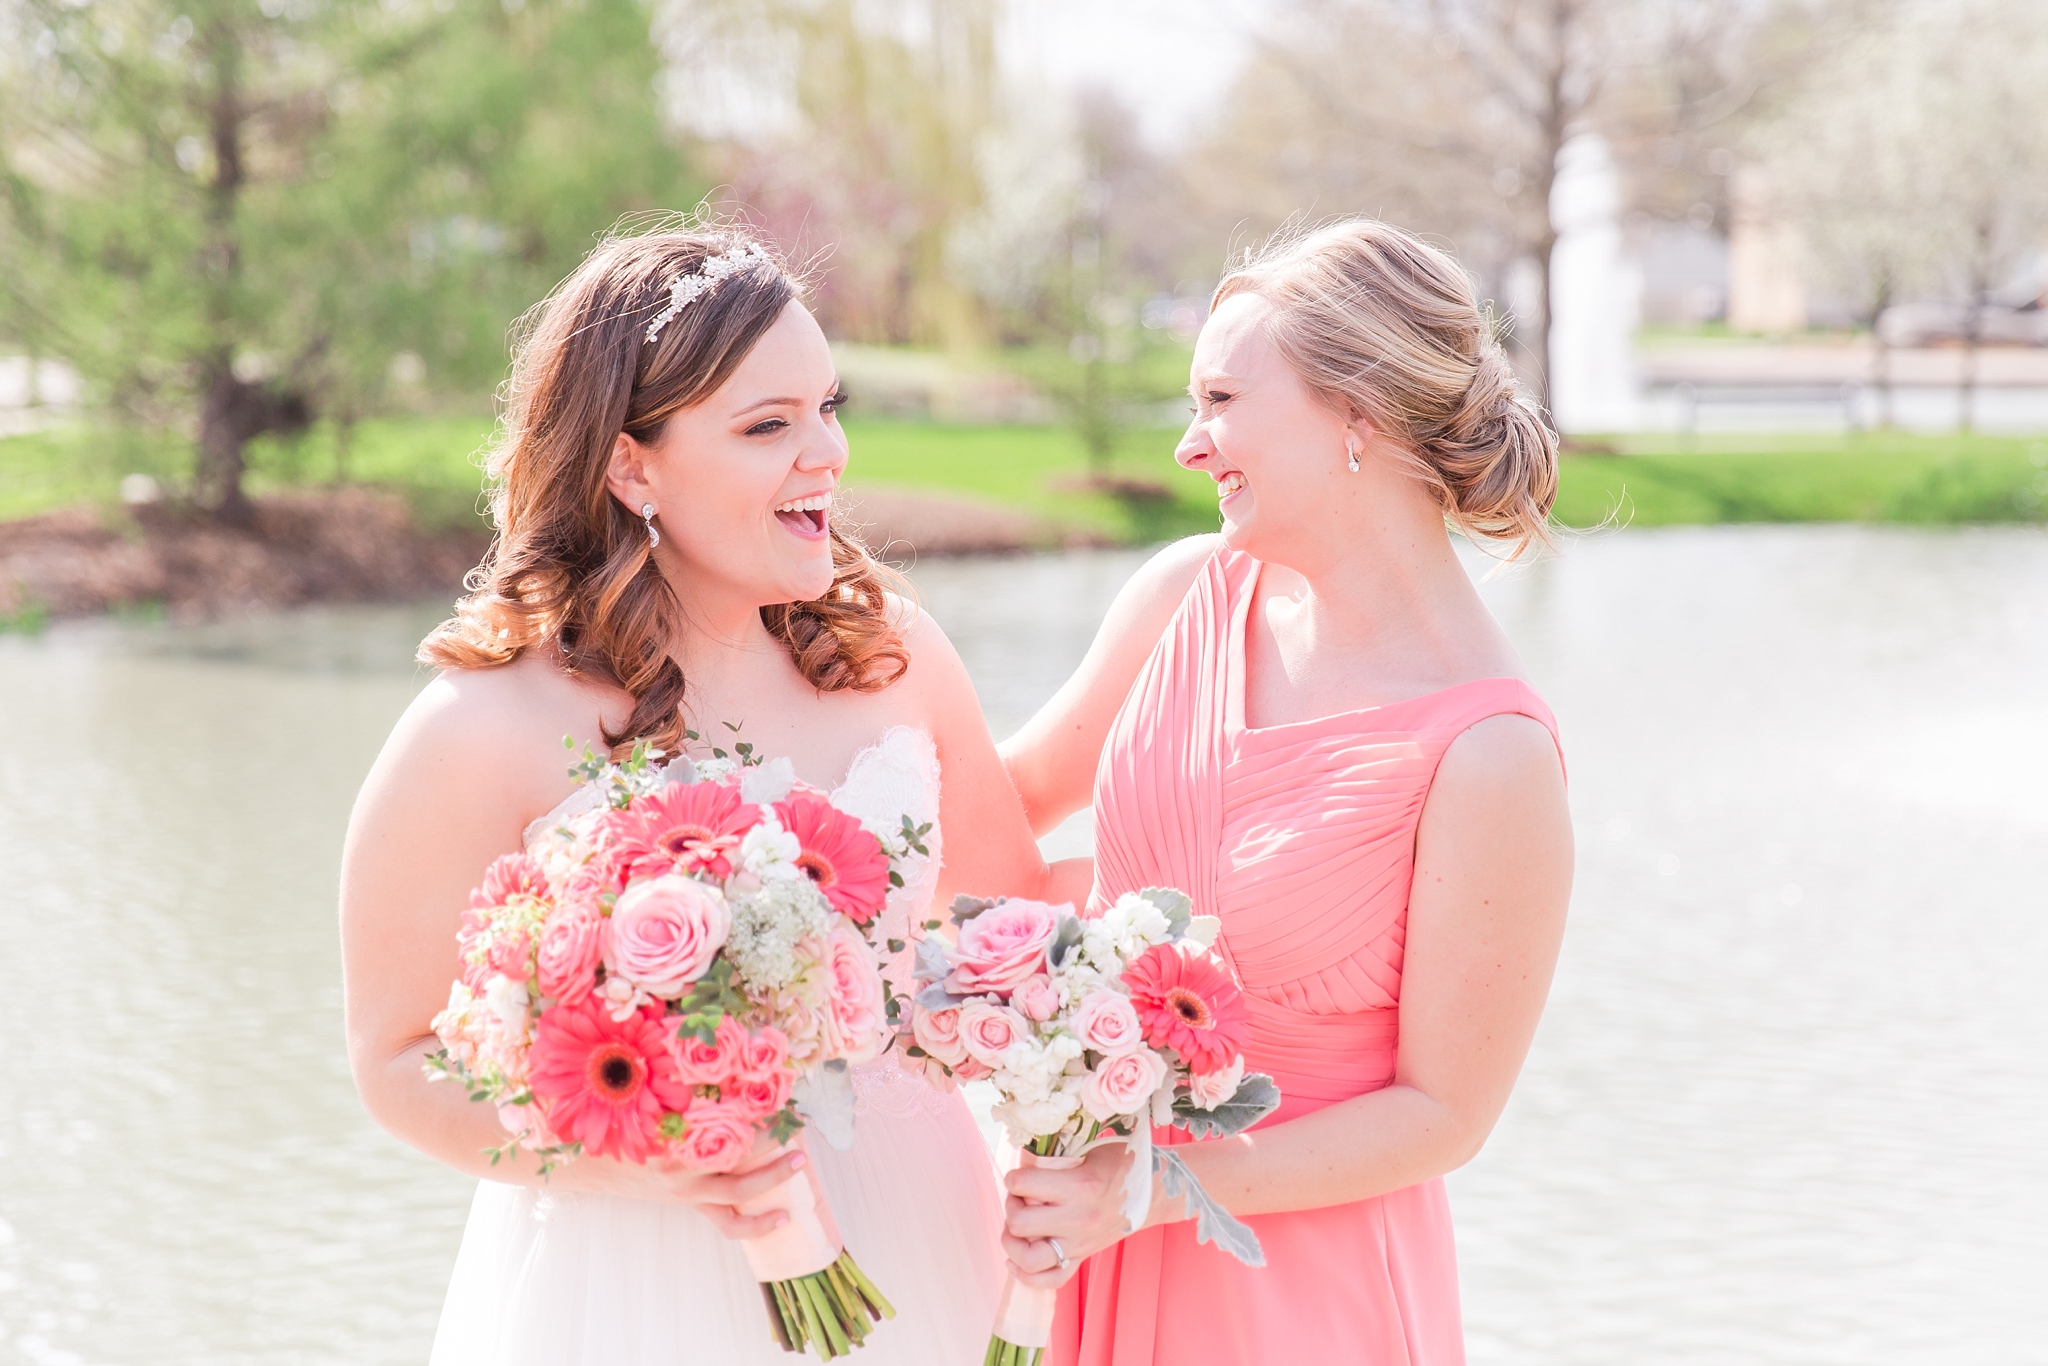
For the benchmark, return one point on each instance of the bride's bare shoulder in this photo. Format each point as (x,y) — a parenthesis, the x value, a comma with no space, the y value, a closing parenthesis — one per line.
(507,724)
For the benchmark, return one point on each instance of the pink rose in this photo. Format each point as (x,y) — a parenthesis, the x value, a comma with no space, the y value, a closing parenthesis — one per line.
(509,875)
(1002,946)
(665,932)
(970,1070)
(571,943)
(709,1064)
(1037,998)
(760,1097)
(720,1133)
(524,1123)
(854,984)
(1121,1085)
(987,1031)
(1107,1022)
(764,1055)
(1208,1092)
(938,1033)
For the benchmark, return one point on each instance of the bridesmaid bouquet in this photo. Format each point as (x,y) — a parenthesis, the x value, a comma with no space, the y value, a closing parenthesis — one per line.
(1093,1031)
(676,971)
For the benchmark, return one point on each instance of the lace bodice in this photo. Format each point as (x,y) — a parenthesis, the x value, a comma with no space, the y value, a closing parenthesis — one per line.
(896,776)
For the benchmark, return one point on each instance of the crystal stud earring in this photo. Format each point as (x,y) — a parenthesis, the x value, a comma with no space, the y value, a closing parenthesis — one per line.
(654,537)
(1354,458)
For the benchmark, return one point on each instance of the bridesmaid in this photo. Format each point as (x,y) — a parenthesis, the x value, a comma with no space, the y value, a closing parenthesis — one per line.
(1312,725)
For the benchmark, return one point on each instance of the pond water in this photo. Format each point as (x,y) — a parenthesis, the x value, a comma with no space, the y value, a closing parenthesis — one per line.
(1789,1103)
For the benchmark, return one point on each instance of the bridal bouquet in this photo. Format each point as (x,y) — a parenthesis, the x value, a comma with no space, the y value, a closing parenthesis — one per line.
(677,971)
(1093,1031)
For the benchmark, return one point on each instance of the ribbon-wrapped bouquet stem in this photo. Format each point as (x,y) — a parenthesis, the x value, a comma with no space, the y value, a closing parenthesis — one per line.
(675,972)
(1093,1031)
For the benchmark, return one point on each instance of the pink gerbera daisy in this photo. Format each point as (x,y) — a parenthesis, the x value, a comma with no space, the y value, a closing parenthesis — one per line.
(683,828)
(840,855)
(1187,1002)
(605,1083)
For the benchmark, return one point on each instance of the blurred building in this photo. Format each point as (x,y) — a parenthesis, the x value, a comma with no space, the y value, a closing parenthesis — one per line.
(1765,290)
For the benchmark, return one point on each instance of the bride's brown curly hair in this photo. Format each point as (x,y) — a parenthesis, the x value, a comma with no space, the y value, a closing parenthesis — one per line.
(569,567)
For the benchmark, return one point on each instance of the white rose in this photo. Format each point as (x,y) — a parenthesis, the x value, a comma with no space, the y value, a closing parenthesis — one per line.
(1211,1091)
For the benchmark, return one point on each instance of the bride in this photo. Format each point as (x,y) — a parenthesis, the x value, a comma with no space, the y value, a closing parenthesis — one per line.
(665,563)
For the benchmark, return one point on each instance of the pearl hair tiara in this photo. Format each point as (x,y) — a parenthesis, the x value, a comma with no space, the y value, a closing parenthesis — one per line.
(685,289)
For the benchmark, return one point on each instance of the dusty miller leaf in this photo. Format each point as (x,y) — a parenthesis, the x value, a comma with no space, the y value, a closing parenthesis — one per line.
(1174,904)
(936,997)
(1068,935)
(1256,1097)
(966,907)
(825,1099)
(931,962)
(1213,1223)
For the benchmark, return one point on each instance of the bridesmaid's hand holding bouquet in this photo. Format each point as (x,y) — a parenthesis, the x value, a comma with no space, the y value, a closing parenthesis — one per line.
(1093,1031)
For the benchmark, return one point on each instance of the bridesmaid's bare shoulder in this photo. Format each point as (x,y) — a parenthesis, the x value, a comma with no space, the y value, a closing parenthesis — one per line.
(1155,592)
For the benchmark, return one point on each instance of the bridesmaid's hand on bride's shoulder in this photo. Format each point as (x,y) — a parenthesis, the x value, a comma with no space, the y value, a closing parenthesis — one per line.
(715,1195)
(1081,1208)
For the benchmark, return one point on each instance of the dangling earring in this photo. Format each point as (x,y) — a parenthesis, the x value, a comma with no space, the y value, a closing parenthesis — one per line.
(654,537)
(1354,457)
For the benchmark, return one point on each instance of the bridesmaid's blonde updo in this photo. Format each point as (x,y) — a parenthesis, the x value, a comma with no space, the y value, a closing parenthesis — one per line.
(1384,327)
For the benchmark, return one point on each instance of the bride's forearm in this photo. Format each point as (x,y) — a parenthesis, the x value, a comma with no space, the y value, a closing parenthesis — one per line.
(1353,1150)
(439,1119)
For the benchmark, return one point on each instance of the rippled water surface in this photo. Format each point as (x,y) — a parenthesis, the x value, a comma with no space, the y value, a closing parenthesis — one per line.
(1789,1104)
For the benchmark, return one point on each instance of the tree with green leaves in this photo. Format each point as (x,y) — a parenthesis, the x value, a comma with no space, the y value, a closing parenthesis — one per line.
(232,216)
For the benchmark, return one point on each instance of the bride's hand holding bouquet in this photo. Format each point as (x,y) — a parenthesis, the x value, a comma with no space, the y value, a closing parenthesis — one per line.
(673,983)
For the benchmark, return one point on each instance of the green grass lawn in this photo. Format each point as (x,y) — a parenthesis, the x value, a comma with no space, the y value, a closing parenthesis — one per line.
(1650,481)
(1874,477)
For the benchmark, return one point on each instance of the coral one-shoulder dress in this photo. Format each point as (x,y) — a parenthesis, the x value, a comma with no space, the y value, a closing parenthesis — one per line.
(1302,838)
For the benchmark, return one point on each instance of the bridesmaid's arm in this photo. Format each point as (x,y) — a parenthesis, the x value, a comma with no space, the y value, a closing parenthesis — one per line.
(1051,761)
(1493,871)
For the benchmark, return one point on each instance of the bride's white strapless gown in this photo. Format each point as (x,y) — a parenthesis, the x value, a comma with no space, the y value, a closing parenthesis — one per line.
(556,1278)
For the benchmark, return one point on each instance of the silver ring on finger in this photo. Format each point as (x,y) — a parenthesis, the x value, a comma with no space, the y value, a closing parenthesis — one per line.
(1061,1253)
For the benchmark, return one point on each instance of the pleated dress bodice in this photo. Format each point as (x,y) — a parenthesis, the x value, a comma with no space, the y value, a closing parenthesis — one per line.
(1301,838)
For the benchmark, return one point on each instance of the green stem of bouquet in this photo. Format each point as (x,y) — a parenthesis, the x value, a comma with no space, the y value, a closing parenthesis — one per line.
(1002,1353)
(829,1312)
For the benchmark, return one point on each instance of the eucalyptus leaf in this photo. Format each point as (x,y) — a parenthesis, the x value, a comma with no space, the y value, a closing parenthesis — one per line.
(1213,1223)
(825,1099)
(1257,1096)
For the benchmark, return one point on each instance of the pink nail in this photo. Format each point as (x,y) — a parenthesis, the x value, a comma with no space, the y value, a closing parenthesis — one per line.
(796,1162)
